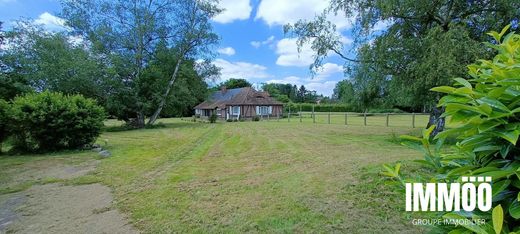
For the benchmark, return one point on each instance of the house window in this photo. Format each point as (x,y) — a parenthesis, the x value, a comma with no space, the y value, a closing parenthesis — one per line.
(263,110)
(235,110)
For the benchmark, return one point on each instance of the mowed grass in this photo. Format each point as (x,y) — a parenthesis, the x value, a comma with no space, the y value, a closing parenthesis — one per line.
(268,176)
(256,177)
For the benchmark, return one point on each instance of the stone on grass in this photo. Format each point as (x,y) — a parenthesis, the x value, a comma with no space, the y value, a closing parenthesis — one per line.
(97,149)
(105,154)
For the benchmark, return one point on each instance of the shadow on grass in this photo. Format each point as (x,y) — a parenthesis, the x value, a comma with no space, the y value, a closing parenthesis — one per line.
(159,125)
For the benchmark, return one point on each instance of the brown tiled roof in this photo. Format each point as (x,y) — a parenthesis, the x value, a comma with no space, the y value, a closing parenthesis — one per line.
(249,96)
(240,96)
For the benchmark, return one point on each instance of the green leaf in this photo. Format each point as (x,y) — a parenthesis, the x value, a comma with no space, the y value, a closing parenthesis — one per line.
(498,218)
(511,136)
(397,168)
(497,174)
(443,89)
(514,209)
(463,82)
(411,138)
(426,132)
(487,148)
(498,187)
(493,103)
(495,35)
(504,30)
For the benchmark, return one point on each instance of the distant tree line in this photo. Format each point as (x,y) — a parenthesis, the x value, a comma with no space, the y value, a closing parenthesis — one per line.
(291,93)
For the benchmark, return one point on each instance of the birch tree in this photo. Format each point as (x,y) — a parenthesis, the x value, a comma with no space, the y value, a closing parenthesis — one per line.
(127,32)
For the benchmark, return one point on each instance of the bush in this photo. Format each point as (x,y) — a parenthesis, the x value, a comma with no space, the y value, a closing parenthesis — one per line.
(256,118)
(229,120)
(487,109)
(52,121)
(3,121)
(213,118)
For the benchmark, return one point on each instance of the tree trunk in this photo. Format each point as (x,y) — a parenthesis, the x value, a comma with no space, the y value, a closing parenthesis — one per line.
(166,94)
(137,122)
(437,120)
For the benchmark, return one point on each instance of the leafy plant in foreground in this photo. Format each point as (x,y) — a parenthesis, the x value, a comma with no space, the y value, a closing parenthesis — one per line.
(486,111)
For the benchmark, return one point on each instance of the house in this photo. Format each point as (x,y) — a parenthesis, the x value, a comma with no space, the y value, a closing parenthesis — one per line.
(240,103)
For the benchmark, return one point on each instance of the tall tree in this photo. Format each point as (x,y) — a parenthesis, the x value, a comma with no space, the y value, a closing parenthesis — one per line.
(344,92)
(425,42)
(235,83)
(128,32)
(196,37)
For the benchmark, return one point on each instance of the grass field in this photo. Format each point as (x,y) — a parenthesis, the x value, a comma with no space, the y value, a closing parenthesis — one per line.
(268,176)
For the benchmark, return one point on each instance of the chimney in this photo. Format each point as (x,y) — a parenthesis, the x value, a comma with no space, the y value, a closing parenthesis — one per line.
(223,89)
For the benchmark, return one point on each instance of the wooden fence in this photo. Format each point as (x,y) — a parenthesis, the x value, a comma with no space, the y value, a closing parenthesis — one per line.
(360,119)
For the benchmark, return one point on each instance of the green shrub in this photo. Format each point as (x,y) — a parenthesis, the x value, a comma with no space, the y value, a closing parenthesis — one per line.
(213,118)
(487,108)
(256,118)
(3,121)
(52,121)
(229,120)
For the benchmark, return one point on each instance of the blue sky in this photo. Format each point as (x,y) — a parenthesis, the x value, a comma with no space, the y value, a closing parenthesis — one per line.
(252,46)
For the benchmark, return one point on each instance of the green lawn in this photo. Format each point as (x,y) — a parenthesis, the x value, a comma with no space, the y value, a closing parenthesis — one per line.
(274,176)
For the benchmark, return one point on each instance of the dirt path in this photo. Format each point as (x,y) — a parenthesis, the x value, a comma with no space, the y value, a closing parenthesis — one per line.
(59,208)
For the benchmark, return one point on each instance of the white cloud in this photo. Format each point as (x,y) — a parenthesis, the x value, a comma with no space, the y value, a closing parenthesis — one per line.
(287,80)
(346,40)
(227,51)
(240,70)
(233,10)
(326,88)
(256,44)
(288,54)
(327,70)
(277,12)
(267,41)
(51,23)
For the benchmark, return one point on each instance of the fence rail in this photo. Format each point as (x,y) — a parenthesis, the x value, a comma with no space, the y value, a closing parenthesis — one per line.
(351,118)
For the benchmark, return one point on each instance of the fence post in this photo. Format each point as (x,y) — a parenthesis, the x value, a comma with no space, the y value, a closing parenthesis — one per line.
(365,118)
(278,116)
(300,113)
(387,117)
(329,117)
(289,116)
(413,120)
(313,115)
(346,118)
